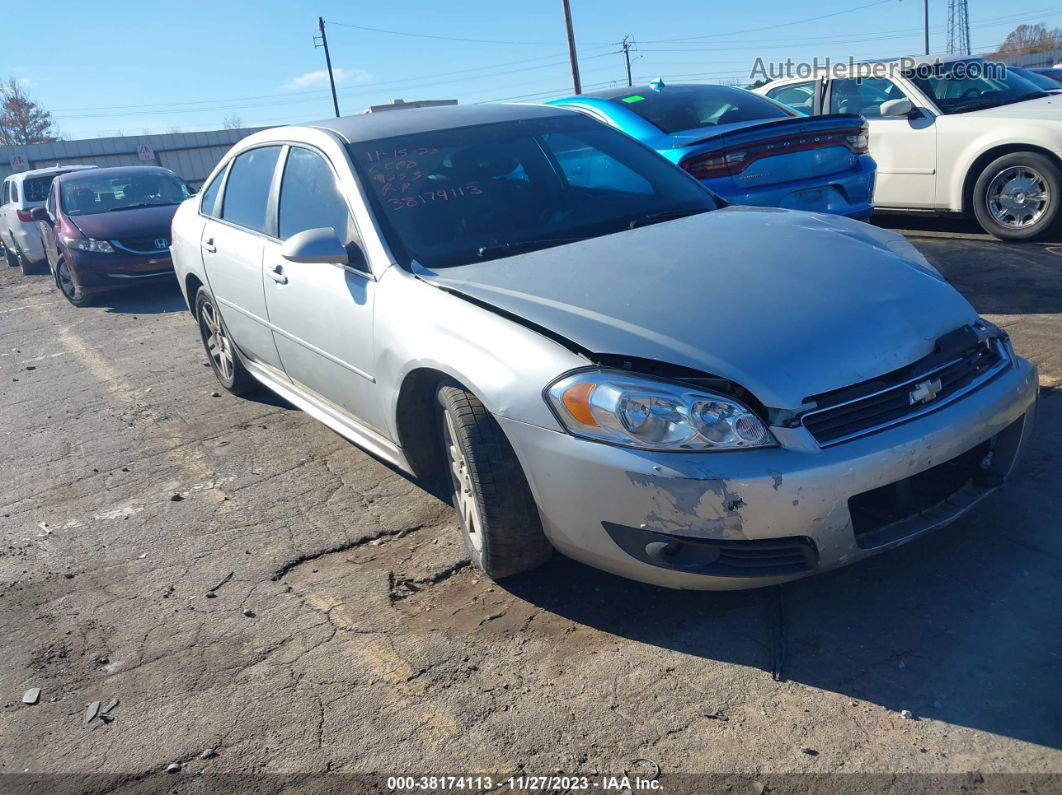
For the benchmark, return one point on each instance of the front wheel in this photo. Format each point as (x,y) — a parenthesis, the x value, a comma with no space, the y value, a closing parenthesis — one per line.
(65,282)
(224,359)
(499,519)
(1017,196)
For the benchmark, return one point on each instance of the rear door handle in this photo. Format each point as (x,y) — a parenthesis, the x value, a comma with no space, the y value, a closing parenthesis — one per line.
(277,275)
(208,246)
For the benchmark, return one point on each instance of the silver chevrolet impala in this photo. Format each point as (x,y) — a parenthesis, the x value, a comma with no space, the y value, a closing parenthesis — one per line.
(593,352)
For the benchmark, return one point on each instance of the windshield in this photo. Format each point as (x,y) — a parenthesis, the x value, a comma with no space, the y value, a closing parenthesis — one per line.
(678,108)
(962,86)
(1040,81)
(461,195)
(102,194)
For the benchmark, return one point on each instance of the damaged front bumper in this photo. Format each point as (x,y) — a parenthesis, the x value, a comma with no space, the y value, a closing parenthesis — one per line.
(751,518)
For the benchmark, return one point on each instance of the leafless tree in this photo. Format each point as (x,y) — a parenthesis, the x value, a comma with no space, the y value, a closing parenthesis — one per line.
(233,122)
(1031,38)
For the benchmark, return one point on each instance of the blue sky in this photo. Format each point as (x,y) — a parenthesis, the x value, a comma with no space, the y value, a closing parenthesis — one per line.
(104,67)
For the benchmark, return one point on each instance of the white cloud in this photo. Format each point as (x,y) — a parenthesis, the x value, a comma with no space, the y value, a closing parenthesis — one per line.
(319,78)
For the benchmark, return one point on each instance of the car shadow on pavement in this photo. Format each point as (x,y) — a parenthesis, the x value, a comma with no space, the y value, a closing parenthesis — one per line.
(148,299)
(962,626)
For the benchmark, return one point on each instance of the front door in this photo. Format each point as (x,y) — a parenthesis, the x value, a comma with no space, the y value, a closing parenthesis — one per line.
(905,149)
(233,245)
(321,312)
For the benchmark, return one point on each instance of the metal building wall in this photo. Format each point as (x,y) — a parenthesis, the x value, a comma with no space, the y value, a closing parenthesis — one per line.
(191,155)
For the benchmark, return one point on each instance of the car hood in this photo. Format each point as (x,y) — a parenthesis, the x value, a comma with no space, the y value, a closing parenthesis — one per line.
(141,222)
(1049,107)
(786,304)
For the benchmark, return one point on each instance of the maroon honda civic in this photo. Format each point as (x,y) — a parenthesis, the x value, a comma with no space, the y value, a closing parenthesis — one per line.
(106,228)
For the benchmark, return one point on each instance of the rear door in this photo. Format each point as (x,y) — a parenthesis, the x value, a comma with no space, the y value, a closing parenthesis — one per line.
(321,312)
(233,243)
(905,149)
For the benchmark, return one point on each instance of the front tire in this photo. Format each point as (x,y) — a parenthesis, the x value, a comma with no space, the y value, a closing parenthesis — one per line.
(65,282)
(499,519)
(1018,196)
(224,359)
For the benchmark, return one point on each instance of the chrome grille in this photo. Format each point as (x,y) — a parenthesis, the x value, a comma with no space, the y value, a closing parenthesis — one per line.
(924,387)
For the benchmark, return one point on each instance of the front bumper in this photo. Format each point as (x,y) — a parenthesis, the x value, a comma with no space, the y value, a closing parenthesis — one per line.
(596,499)
(96,273)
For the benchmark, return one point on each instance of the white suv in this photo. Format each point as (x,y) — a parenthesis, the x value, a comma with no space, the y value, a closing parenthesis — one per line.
(20,239)
(950,135)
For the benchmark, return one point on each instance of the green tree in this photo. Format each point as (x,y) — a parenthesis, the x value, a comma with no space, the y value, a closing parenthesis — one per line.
(23,121)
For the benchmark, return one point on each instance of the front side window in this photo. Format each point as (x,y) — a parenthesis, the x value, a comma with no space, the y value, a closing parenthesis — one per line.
(49,203)
(450,197)
(798,96)
(962,86)
(4,195)
(89,194)
(246,199)
(310,198)
(863,96)
(679,108)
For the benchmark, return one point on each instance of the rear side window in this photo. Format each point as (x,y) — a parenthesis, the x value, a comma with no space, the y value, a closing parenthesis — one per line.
(310,198)
(14,191)
(210,195)
(246,199)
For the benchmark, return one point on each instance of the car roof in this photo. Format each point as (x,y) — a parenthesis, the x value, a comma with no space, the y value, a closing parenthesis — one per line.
(44,172)
(112,171)
(372,126)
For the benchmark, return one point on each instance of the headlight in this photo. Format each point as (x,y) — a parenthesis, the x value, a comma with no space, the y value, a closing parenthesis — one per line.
(641,412)
(87,244)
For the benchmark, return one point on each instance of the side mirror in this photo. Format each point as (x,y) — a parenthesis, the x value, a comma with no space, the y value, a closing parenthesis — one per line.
(896,107)
(40,214)
(315,245)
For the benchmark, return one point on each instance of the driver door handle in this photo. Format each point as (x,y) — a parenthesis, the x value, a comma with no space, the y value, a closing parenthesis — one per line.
(277,275)
(209,247)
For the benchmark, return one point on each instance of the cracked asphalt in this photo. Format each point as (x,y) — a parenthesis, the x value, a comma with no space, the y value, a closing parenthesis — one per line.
(242,579)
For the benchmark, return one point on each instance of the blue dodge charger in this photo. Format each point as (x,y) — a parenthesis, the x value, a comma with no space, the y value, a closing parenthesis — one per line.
(744,147)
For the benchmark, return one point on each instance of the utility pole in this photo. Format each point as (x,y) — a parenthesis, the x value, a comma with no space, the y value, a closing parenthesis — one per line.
(328,61)
(626,50)
(576,83)
(927,25)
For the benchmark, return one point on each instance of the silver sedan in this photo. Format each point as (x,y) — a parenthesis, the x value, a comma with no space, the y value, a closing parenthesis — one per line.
(595,353)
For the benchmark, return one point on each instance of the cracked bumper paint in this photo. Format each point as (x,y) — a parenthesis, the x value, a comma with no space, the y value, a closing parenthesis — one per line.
(796,489)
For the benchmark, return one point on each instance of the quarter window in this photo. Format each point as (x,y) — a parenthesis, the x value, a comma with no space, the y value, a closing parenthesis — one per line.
(210,195)
(310,198)
(246,200)
(862,95)
(798,96)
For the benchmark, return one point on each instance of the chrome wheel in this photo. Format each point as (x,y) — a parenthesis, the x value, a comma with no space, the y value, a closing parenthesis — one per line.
(1017,197)
(217,342)
(464,497)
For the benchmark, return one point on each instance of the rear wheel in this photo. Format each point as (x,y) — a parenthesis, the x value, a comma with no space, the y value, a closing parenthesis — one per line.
(5,252)
(224,359)
(65,282)
(499,519)
(1017,197)
(28,268)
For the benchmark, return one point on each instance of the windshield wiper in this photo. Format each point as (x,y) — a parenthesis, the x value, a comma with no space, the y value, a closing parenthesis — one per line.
(501,249)
(667,215)
(142,204)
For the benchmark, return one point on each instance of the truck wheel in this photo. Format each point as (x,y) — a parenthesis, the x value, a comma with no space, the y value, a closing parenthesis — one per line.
(1017,197)
(499,519)
(223,356)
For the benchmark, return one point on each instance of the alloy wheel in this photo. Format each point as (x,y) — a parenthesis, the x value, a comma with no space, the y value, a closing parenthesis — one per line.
(1017,197)
(217,342)
(464,496)
(66,284)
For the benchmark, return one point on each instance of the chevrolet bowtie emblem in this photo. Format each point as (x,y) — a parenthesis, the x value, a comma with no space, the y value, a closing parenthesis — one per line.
(925,391)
